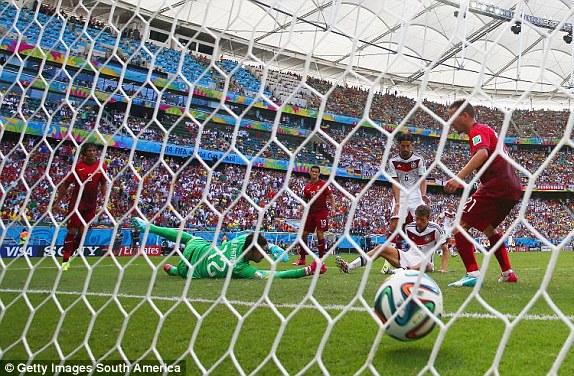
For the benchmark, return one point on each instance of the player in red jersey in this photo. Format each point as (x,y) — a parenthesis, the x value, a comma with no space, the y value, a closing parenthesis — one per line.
(89,176)
(498,193)
(318,216)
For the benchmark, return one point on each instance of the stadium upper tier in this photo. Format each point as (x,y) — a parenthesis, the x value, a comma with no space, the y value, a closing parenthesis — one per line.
(52,33)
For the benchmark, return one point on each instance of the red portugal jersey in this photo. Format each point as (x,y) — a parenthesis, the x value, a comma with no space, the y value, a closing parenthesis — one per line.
(499,180)
(90,177)
(310,190)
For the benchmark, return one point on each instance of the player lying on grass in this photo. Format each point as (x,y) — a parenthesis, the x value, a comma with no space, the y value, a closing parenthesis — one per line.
(426,235)
(208,261)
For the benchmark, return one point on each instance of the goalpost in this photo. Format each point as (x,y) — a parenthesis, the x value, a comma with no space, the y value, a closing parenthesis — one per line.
(209,114)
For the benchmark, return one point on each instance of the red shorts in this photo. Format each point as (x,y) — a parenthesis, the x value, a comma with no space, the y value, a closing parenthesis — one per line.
(87,216)
(317,221)
(480,211)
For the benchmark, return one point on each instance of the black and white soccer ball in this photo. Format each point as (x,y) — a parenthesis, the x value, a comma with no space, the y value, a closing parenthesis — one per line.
(411,322)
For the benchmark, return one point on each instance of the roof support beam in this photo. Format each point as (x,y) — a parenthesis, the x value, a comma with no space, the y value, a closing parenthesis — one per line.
(454,50)
(285,25)
(512,61)
(391,30)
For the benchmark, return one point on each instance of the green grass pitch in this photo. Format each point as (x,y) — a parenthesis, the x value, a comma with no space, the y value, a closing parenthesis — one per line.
(128,308)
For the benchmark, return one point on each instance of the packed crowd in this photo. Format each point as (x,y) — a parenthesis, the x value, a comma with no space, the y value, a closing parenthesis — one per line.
(145,183)
(361,153)
(344,99)
(396,109)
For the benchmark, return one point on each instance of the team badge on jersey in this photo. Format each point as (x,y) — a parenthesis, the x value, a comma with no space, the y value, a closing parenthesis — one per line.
(476,140)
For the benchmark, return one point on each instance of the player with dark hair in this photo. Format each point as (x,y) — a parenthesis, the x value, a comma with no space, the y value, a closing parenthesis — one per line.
(407,168)
(208,261)
(88,177)
(425,234)
(317,220)
(497,194)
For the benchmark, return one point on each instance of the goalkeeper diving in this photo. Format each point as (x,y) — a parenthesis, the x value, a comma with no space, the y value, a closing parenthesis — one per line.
(208,261)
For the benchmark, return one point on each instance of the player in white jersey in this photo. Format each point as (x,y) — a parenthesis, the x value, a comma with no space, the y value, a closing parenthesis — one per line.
(407,168)
(447,219)
(426,236)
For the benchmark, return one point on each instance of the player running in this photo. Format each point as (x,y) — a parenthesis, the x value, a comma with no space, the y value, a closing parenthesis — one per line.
(425,234)
(498,193)
(318,216)
(208,261)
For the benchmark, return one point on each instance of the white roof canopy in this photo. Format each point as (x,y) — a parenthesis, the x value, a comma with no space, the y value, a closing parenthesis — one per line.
(397,45)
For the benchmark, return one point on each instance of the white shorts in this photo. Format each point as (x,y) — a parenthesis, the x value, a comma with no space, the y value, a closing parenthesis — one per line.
(411,207)
(447,231)
(413,257)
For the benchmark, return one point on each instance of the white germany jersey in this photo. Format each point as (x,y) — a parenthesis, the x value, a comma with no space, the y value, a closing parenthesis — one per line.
(407,172)
(447,219)
(427,240)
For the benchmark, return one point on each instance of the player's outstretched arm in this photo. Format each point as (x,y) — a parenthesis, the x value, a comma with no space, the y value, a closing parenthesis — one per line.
(165,232)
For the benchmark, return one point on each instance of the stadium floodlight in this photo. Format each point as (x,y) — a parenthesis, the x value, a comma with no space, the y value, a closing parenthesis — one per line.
(508,15)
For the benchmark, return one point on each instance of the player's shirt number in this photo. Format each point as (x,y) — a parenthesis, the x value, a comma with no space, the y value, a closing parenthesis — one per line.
(215,264)
(469,204)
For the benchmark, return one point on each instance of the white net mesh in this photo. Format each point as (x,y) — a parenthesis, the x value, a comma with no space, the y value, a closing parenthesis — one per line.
(208,116)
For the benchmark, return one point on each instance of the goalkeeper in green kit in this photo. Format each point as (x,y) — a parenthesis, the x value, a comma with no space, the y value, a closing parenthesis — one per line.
(208,261)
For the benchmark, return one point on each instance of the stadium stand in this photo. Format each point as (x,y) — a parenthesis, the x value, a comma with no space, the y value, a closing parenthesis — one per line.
(361,152)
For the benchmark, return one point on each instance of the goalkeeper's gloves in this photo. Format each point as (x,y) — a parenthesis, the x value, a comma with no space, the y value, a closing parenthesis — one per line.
(278,253)
(139,223)
(310,270)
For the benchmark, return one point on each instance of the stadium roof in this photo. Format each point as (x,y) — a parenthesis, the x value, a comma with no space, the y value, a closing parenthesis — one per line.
(400,43)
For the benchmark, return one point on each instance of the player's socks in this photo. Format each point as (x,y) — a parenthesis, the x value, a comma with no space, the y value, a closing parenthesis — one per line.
(501,253)
(321,246)
(69,243)
(357,263)
(466,252)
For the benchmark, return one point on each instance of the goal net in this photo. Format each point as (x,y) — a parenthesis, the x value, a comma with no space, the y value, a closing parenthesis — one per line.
(207,117)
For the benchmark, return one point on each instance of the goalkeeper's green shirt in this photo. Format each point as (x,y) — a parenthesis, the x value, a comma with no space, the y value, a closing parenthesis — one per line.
(208,261)
(212,262)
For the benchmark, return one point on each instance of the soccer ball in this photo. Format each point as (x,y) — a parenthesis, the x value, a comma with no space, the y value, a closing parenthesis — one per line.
(411,322)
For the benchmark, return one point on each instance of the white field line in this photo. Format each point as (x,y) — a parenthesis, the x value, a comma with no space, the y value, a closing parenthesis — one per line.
(332,307)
